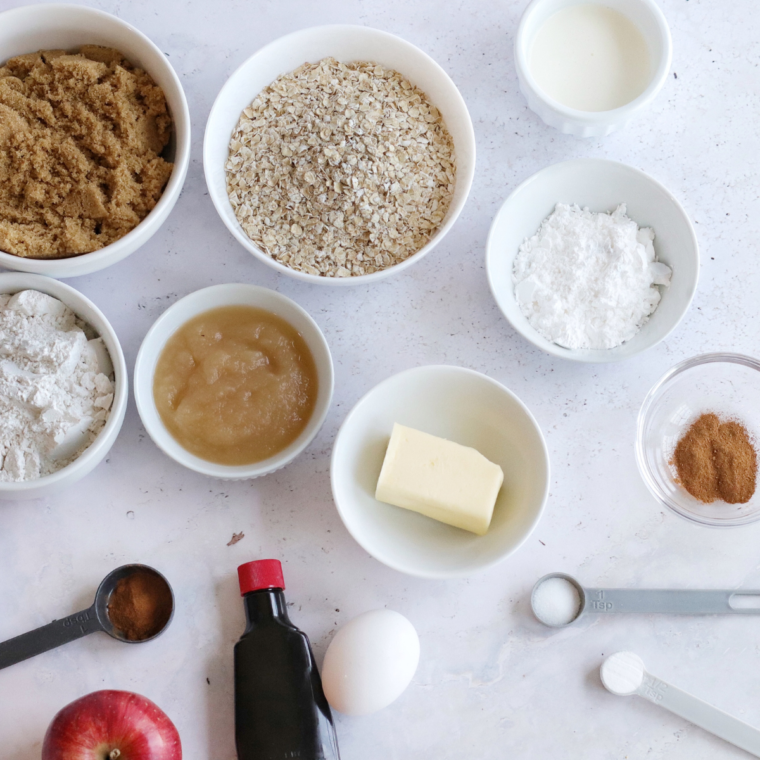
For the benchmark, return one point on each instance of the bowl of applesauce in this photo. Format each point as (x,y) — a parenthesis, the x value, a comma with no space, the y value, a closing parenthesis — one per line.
(233,381)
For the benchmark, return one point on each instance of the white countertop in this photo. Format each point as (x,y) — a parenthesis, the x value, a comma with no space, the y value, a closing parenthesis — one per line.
(492,681)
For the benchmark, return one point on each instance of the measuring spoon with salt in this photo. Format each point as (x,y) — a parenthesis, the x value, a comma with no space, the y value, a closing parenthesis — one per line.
(559,600)
(82,623)
(624,674)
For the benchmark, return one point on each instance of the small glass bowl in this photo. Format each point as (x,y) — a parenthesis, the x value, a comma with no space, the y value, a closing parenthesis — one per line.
(727,384)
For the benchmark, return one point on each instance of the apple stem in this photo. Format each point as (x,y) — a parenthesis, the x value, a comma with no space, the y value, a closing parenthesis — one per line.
(114,754)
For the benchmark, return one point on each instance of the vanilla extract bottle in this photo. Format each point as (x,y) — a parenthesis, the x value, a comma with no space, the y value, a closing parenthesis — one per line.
(280,708)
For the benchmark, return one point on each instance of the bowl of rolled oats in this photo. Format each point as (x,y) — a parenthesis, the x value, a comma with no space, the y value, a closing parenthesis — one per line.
(339,154)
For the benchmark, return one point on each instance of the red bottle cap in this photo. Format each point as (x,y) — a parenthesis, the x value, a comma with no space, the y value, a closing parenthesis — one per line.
(262,573)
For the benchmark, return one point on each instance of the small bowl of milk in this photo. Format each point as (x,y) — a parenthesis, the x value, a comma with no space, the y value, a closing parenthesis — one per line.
(586,68)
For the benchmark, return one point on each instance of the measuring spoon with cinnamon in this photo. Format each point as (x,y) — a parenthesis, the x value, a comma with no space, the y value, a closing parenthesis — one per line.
(133,604)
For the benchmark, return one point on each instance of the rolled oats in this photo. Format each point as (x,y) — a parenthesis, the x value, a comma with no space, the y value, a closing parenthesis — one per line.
(340,169)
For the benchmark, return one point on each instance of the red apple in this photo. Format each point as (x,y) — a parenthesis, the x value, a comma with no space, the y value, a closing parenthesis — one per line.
(112,725)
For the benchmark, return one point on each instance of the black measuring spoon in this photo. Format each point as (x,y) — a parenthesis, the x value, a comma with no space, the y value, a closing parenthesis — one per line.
(81,623)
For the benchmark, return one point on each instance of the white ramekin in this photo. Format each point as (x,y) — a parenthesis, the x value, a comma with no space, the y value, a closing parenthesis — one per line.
(92,456)
(650,20)
(216,296)
(345,43)
(39,27)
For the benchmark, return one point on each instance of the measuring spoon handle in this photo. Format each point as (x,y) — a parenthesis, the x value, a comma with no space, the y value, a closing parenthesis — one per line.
(701,714)
(48,637)
(672,601)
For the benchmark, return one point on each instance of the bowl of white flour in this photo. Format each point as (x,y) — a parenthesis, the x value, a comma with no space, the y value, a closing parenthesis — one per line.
(592,260)
(63,386)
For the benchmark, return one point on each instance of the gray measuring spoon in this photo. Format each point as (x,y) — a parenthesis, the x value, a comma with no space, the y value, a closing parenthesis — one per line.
(80,624)
(623,674)
(559,600)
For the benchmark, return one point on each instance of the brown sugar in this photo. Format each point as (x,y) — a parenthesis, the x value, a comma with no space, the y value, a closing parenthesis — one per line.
(80,142)
(140,605)
(716,460)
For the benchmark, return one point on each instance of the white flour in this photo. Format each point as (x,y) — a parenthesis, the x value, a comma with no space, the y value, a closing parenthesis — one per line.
(54,395)
(586,280)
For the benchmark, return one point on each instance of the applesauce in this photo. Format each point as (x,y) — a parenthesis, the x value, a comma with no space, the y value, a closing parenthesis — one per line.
(235,385)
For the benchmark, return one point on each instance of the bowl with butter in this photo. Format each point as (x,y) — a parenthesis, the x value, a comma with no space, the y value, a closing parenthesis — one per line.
(440,472)
(234,381)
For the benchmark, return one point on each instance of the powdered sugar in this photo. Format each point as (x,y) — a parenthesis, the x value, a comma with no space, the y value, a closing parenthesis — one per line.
(55,394)
(587,280)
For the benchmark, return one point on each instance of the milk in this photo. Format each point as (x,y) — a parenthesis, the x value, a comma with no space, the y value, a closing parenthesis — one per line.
(591,58)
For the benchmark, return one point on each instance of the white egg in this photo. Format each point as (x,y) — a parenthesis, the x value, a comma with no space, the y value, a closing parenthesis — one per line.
(370,662)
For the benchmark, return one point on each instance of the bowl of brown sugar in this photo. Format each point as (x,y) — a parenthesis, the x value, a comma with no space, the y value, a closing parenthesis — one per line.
(94,139)
(698,439)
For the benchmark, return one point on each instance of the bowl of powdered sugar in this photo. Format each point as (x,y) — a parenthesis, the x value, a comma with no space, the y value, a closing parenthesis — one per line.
(592,260)
(63,386)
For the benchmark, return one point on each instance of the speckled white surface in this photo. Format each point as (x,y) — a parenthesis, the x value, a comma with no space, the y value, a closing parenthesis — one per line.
(492,681)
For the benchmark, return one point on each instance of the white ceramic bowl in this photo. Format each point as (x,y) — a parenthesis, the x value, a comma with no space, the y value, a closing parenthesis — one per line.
(601,185)
(726,384)
(37,27)
(345,43)
(650,20)
(92,456)
(212,298)
(463,406)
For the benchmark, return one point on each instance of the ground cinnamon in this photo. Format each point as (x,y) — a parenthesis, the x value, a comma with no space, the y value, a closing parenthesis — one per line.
(140,605)
(717,460)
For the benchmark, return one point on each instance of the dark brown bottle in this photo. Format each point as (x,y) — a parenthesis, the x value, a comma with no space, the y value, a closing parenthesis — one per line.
(280,708)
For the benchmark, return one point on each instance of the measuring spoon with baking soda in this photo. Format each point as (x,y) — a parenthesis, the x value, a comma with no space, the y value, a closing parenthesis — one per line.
(559,600)
(624,674)
(133,604)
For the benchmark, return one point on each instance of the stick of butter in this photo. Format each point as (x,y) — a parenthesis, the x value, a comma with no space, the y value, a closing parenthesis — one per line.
(454,484)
